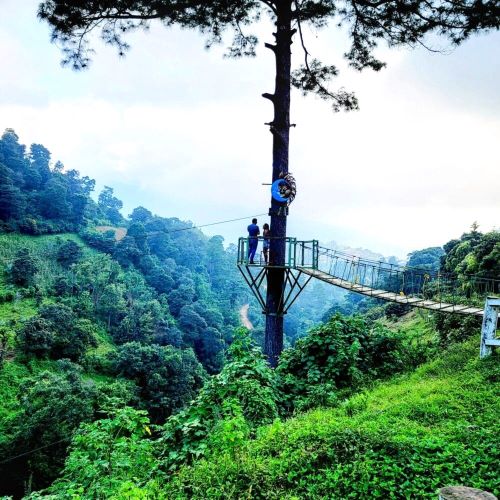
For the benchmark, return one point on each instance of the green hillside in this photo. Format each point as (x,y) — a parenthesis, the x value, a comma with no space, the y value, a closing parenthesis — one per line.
(404,439)
(81,333)
(124,372)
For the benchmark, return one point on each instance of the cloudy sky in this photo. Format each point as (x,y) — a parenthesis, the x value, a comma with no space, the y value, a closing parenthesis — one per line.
(179,130)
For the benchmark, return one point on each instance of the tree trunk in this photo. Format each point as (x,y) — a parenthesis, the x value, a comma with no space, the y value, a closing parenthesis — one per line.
(280,128)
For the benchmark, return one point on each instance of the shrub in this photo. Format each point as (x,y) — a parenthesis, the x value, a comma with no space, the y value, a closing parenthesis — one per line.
(58,333)
(51,406)
(62,286)
(36,337)
(395,310)
(168,377)
(7,296)
(102,242)
(109,458)
(69,253)
(245,388)
(339,355)
(97,363)
(29,226)
(452,328)
(23,268)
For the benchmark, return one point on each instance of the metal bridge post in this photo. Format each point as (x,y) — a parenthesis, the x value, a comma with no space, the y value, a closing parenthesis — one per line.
(489,328)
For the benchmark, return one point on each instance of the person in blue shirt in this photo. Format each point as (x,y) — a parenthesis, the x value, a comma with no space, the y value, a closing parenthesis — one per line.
(253,240)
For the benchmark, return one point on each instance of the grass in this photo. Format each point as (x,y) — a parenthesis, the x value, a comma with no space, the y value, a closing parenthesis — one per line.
(403,439)
(416,325)
(14,313)
(42,245)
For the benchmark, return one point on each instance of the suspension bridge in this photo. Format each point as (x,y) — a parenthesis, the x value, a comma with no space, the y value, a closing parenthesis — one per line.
(415,287)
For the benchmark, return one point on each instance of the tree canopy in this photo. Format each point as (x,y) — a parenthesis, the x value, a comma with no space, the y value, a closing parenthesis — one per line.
(367,23)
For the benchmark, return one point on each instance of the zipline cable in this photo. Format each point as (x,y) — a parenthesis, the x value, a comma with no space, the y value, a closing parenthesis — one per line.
(187,228)
(32,451)
(211,224)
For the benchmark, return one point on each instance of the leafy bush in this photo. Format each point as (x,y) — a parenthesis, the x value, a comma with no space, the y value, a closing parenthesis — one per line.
(405,439)
(51,406)
(452,328)
(394,310)
(245,388)
(69,253)
(57,332)
(7,296)
(36,337)
(339,355)
(168,377)
(94,362)
(102,242)
(109,458)
(23,268)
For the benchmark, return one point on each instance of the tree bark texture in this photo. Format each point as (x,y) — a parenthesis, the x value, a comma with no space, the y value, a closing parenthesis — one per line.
(280,128)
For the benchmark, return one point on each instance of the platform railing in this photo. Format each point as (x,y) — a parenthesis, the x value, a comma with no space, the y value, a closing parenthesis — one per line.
(297,253)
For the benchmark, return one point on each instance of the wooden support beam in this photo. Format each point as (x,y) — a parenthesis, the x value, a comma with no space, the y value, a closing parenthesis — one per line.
(494,342)
(489,327)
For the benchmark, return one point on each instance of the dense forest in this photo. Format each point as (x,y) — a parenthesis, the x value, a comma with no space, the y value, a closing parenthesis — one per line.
(125,372)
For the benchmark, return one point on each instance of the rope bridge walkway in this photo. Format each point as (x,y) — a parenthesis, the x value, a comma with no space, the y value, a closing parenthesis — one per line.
(416,287)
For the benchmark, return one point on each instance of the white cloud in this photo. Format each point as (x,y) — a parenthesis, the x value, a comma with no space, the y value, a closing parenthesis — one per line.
(180,130)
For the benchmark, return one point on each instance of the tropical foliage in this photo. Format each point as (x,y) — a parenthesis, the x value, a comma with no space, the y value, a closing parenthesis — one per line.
(123,373)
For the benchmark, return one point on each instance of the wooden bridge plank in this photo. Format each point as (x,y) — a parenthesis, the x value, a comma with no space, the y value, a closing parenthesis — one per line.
(392,296)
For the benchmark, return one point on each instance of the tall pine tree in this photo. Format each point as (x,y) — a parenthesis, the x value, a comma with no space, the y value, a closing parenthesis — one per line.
(368,22)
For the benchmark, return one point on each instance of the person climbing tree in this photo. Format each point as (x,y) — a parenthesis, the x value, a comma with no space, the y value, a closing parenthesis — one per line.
(253,240)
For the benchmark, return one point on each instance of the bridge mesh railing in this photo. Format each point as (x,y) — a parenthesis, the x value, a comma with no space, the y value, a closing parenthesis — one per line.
(377,276)
(407,281)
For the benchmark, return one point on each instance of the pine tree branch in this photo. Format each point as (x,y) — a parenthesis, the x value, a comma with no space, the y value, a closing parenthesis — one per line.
(341,99)
(270,5)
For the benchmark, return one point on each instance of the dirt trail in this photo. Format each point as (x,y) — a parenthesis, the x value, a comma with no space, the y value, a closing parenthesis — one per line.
(244,317)
(120,232)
